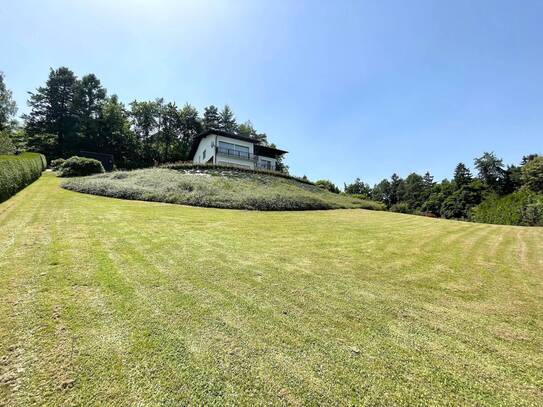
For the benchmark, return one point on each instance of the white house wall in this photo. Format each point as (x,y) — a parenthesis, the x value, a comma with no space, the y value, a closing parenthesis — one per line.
(207,143)
(210,142)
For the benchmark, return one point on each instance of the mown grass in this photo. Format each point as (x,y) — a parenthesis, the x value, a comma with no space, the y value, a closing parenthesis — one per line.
(228,188)
(112,302)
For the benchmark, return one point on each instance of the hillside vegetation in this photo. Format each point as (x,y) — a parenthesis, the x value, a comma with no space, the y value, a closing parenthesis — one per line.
(215,188)
(112,302)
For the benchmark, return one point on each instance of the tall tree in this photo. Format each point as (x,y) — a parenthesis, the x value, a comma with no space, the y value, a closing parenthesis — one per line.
(211,118)
(491,171)
(382,192)
(191,126)
(171,131)
(227,120)
(247,129)
(8,107)
(414,192)
(116,136)
(52,110)
(396,189)
(532,174)
(358,187)
(462,175)
(89,98)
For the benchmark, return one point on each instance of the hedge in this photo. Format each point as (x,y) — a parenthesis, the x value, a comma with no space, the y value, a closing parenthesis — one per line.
(189,165)
(523,208)
(79,167)
(18,171)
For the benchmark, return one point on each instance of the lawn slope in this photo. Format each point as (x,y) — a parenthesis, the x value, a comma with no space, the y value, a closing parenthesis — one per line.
(215,188)
(112,302)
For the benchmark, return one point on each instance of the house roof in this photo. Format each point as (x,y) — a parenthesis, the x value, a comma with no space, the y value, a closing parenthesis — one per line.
(259,149)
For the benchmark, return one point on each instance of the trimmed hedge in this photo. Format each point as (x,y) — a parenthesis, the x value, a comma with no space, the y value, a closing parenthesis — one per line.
(522,208)
(18,171)
(79,167)
(189,165)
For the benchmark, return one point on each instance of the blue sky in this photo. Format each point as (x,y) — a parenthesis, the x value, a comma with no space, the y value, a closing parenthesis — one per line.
(351,89)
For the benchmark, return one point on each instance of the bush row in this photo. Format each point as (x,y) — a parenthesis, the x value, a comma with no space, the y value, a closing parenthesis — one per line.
(189,165)
(18,171)
(519,208)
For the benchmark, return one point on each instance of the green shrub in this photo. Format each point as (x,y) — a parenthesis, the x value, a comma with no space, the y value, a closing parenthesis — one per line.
(79,167)
(57,163)
(17,171)
(532,174)
(6,145)
(401,207)
(518,208)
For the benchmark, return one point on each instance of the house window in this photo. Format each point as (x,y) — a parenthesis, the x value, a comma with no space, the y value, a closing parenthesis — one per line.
(266,164)
(233,149)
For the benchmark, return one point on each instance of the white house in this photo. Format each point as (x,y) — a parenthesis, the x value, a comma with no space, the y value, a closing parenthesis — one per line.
(222,148)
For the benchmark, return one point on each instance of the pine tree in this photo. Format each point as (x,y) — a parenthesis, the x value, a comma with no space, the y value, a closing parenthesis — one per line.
(53,111)
(227,120)
(211,118)
(462,175)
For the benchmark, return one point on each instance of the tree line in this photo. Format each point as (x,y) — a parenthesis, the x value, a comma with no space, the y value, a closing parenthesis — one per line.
(454,198)
(70,114)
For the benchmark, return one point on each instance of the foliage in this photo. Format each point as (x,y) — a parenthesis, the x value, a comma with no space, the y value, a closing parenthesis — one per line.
(532,174)
(358,187)
(80,166)
(327,185)
(8,107)
(458,204)
(517,208)
(211,118)
(215,188)
(462,175)
(6,145)
(401,207)
(17,171)
(57,163)
(491,171)
(227,120)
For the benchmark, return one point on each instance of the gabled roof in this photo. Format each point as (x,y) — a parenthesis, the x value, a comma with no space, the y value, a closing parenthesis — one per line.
(259,149)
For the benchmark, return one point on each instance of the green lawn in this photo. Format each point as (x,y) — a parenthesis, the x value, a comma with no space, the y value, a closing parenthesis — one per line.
(105,301)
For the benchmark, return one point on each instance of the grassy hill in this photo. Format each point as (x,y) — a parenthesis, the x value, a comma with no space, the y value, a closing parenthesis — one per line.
(112,302)
(215,188)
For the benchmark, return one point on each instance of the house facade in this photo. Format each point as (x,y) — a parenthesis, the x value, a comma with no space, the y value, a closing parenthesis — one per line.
(221,148)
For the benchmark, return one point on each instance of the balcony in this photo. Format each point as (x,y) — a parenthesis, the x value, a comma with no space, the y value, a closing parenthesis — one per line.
(243,155)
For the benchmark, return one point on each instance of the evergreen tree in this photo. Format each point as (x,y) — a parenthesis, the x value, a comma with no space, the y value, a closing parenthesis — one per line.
(227,120)
(211,118)
(191,126)
(52,111)
(462,175)
(8,107)
(491,171)
(88,100)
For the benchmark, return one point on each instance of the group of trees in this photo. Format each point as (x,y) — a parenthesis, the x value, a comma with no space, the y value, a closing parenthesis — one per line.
(454,198)
(70,114)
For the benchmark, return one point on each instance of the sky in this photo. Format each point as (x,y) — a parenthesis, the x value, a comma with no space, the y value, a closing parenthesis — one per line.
(349,88)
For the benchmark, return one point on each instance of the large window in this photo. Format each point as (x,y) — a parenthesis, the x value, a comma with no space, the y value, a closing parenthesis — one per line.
(233,149)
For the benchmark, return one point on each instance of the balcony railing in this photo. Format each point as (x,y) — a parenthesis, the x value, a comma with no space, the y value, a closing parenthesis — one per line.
(244,155)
